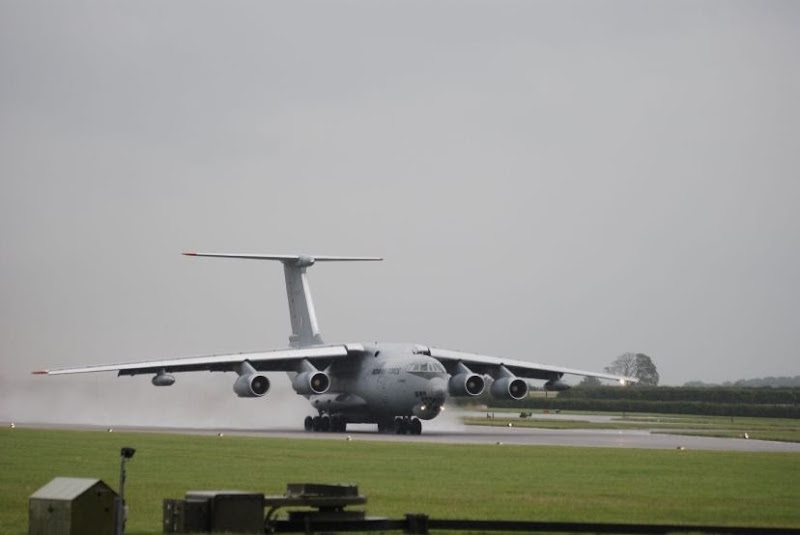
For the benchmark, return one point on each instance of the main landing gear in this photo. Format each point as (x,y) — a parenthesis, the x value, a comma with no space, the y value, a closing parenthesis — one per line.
(326,423)
(401,425)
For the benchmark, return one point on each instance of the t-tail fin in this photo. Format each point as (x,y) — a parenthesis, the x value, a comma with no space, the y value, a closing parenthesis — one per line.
(305,330)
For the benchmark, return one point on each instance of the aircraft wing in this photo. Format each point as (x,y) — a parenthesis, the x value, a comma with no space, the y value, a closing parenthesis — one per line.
(273,360)
(529,370)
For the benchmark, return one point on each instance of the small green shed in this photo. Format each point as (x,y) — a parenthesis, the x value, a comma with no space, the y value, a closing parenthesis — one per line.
(72,506)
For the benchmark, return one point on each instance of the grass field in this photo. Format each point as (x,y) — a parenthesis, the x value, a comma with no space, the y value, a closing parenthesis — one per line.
(444,481)
(780,429)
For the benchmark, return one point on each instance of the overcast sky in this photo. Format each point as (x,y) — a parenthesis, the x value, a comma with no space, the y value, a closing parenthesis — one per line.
(560,182)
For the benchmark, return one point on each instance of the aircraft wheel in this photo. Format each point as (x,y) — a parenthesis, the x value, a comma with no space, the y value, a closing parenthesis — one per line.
(325,424)
(336,423)
(308,423)
(341,424)
(415,427)
(316,423)
(400,426)
(385,427)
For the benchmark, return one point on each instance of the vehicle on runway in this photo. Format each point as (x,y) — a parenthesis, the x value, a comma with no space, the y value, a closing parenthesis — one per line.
(392,385)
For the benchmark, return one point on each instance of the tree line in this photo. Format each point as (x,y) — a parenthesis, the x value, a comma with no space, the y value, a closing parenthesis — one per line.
(718,394)
(663,407)
(744,398)
(715,401)
(785,382)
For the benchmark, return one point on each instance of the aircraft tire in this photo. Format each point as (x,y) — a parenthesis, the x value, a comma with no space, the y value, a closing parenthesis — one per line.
(316,423)
(341,424)
(325,424)
(336,423)
(400,426)
(308,423)
(415,427)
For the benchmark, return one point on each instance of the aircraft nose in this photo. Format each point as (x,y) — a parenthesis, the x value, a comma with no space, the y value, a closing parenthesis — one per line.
(437,389)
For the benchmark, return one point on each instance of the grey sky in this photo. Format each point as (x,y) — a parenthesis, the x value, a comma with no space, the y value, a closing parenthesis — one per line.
(560,182)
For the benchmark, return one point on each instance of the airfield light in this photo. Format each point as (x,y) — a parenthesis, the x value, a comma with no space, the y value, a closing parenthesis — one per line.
(124,454)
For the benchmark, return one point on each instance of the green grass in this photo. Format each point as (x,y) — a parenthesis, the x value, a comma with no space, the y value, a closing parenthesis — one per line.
(780,429)
(778,436)
(441,480)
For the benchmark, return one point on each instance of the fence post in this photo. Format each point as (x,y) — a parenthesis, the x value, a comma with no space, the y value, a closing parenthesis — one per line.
(416,524)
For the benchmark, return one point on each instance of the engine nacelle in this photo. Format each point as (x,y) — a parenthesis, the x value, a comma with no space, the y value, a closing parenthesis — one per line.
(466,384)
(556,385)
(163,379)
(251,385)
(509,388)
(311,383)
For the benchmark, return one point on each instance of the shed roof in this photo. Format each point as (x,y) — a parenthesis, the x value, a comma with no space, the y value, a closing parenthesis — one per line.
(66,488)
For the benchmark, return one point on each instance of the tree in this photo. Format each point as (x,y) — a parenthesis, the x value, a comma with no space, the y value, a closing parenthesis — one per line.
(589,382)
(636,365)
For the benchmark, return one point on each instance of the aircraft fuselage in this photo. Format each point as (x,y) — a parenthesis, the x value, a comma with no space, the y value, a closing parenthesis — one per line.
(386,381)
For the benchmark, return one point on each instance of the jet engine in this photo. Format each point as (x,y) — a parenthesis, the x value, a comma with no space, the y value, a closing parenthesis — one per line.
(556,385)
(509,388)
(466,384)
(251,385)
(311,383)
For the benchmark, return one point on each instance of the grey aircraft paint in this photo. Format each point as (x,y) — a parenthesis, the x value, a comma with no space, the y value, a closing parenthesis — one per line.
(394,385)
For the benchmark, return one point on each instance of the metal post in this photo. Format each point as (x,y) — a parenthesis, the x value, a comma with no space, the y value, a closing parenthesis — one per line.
(122,477)
(121,516)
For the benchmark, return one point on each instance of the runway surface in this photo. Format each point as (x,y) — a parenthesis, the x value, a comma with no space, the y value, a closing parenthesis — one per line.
(480,435)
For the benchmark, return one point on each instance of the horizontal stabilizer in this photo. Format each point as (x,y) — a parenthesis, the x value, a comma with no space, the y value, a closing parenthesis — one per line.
(287,258)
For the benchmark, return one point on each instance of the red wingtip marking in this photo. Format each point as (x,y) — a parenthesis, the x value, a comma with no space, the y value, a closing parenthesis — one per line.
(40,372)
(189,254)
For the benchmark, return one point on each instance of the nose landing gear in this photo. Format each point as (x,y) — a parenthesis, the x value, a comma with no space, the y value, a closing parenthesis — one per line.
(401,425)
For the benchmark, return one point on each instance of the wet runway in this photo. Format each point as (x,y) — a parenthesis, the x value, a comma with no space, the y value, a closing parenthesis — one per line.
(461,434)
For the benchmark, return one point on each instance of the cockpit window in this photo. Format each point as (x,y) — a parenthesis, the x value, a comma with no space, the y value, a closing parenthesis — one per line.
(426,367)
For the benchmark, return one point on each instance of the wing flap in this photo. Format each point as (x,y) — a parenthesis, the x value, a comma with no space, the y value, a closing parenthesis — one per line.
(273,360)
(520,368)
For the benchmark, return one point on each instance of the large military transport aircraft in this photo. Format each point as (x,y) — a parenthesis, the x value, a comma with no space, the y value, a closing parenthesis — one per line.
(392,385)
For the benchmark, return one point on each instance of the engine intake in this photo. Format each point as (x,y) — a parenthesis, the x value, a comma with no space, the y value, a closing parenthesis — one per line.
(466,384)
(311,383)
(509,388)
(251,385)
